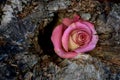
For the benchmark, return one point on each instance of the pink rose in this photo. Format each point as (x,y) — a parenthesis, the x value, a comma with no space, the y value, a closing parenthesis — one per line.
(73,37)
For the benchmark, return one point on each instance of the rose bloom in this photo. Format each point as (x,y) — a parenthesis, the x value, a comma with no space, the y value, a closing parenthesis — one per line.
(73,37)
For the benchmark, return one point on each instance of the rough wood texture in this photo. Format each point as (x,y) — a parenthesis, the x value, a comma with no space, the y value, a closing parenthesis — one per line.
(26,51)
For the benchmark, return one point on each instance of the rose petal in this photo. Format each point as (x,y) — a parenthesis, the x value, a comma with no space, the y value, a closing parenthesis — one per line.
(65,37)
(91,26)
(56,39)
(72,45)
(76,17)
(90,46)
(67,21)
(60,52)
(84,27)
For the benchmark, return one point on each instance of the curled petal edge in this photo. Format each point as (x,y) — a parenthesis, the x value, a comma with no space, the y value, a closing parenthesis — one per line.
(90,46)
(65,37)
(56,39)
(91,26)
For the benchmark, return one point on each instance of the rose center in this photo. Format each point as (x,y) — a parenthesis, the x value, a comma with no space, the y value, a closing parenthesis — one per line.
(78,38)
